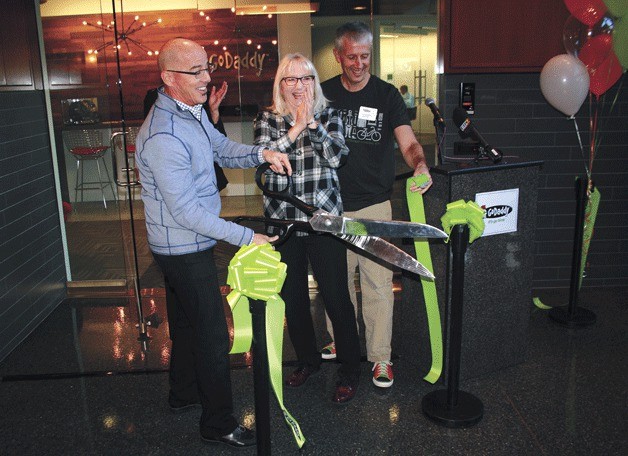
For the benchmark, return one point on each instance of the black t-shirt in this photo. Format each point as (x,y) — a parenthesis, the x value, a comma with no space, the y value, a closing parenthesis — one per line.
(370,117)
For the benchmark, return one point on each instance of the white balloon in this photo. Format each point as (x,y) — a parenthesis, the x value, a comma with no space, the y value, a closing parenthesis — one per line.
(565,83)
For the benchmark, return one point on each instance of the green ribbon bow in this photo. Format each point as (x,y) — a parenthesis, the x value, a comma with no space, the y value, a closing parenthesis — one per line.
(256,272)
(461,213)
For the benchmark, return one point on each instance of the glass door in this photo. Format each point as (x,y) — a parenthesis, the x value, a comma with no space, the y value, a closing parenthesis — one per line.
(102,63)
(82,73)
(408,61)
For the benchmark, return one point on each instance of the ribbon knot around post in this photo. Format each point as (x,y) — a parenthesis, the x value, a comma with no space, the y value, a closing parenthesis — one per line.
(256,272)
(461,213)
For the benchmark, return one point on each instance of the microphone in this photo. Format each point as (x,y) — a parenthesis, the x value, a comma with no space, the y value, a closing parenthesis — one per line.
(466,128)
(438,118)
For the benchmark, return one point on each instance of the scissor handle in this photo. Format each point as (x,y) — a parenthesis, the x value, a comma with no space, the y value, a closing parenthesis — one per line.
(286,227)
(284,194)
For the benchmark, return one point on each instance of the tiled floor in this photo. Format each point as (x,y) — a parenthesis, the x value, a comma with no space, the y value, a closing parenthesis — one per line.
(81,384)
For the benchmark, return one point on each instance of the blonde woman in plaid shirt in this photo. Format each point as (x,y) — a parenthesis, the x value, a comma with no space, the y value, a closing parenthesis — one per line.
(301,125)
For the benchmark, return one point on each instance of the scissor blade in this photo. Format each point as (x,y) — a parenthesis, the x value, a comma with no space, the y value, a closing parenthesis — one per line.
(388,252)
(322,221)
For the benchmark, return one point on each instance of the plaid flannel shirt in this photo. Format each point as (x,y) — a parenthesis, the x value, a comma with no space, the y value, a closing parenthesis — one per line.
(314,156)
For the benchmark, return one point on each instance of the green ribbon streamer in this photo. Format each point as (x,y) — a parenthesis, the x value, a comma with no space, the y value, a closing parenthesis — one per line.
(537,302)
(422,248)
(256,272)
(590,212)
(461,213)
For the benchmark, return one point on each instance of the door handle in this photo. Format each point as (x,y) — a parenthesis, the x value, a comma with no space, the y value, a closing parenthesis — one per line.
(119,182)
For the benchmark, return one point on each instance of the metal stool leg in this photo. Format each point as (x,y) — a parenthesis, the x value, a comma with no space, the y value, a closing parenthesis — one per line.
(82,185)
(109,181)
(76,184)
(102,188)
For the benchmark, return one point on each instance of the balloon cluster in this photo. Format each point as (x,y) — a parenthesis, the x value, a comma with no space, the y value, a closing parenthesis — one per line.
(595,37)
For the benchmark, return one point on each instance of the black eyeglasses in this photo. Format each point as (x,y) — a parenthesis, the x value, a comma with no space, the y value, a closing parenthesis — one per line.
(211,67)
(305,80)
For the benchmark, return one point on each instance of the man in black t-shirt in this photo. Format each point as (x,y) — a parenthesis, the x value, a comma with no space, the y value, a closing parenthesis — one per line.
(374,117)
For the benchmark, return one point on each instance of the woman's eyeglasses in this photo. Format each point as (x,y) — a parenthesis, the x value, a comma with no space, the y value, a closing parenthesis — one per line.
(211,67)
(305,80)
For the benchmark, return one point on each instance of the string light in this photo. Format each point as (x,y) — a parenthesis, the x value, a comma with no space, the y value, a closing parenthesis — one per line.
(235,30)
(124,35)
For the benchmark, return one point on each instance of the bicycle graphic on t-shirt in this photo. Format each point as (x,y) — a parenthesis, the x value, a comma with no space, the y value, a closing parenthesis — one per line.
(369,135)
(361,129)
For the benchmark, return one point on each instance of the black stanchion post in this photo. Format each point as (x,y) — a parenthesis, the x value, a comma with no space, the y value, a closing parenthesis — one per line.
(451,407)
(260,376)
(571,315)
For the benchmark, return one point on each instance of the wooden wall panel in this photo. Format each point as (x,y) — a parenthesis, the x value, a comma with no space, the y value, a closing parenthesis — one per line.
(487,36)
(73,74)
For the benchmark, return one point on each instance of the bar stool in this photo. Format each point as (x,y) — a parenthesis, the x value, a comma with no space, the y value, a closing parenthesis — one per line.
(87,145)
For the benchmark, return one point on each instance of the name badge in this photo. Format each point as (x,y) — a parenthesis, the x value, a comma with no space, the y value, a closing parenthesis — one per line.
(367,113)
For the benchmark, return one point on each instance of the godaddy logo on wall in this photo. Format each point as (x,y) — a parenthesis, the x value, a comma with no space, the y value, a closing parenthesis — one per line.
(228,61)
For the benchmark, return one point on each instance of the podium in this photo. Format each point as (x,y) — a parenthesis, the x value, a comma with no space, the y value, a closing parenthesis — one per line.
(497,296)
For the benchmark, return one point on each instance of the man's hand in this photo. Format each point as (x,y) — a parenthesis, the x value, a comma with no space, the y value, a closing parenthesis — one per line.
(260,239)
(278,162)
(413,155)
(421,169)
(214,100)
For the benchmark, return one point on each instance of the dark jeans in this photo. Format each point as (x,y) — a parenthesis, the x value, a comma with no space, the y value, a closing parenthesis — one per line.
(328,257)
(199,360)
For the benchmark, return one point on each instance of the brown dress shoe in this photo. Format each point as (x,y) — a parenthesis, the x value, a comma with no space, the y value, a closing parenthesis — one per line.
(344,393)
(300,376)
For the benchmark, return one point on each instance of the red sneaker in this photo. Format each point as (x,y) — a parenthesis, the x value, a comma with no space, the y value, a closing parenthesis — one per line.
(383,374)
(329,351)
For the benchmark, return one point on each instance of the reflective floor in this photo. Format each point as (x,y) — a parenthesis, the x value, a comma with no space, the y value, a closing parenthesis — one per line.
(81,384)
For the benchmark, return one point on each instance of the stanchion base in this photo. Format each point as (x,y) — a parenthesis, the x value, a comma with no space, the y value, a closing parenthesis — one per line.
(468,411)
(580,318)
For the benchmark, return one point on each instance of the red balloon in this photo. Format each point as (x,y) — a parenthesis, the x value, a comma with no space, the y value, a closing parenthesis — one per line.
(586,11)
(605,76)
(596,50)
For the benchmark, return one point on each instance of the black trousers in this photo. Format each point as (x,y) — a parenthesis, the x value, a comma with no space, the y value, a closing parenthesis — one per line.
(199,360)
(328,257)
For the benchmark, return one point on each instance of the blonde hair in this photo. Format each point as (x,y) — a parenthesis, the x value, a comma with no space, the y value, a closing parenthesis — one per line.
(279,105)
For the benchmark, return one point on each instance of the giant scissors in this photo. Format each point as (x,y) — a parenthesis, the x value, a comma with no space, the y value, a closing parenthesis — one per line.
(362,233)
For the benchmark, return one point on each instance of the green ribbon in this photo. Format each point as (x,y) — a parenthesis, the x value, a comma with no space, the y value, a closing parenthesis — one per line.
(590,212)
(256,272)
(422,248)
(461,213)
(538,303)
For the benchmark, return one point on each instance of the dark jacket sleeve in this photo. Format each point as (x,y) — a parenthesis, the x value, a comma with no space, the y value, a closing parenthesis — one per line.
(149,100)
(221,178)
